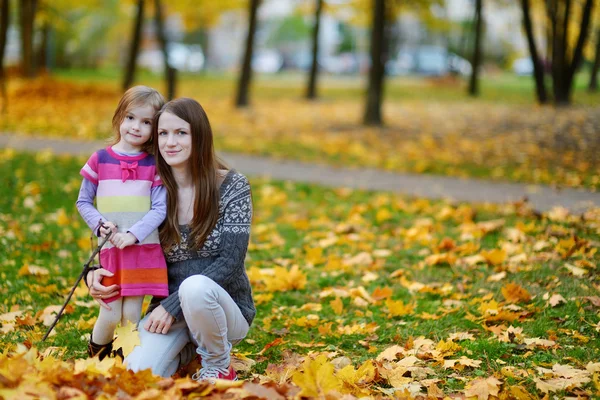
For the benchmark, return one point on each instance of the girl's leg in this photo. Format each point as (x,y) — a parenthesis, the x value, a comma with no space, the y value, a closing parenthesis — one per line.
(213,319)
(104,328)
(132,309)
(157,351)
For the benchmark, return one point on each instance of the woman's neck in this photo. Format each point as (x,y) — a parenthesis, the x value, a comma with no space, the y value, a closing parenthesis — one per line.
(183,177)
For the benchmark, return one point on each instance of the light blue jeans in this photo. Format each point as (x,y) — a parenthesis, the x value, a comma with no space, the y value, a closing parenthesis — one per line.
(212,323)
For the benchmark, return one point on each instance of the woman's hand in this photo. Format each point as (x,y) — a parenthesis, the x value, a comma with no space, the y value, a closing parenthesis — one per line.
(99,291)
(159,321)
(122,240)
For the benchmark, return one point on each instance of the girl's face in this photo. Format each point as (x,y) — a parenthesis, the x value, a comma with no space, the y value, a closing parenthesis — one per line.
(136,128)
(174,139)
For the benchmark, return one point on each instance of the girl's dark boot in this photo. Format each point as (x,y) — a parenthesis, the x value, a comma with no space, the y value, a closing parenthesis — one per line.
(100,350)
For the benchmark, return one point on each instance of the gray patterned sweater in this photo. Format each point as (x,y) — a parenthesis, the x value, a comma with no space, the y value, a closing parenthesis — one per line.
(221,258)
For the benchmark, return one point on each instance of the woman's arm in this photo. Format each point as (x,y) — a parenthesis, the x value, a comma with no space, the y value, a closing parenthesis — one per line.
(235,236)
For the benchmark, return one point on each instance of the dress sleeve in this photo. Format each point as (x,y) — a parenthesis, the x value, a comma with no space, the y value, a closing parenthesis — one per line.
(85,204)
(90,169)
(153,218)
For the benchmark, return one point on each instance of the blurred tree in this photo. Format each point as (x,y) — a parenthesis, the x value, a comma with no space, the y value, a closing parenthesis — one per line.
(199,16)
(593,86)
(4,12)
(162,39)
(311,92)
(566,58)
(75,33)
(374,98)
(27,11)
(134,48)
(246,69)
(538,68)
(476,58)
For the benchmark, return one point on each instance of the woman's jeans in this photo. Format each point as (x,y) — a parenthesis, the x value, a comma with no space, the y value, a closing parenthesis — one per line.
(212,322)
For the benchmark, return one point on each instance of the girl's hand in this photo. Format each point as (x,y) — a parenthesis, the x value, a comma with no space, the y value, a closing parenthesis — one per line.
(122,240)
(108,227)
(99,291)
(159,321)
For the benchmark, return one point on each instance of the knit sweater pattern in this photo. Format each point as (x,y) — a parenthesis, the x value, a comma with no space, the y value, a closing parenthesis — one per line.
(222,255)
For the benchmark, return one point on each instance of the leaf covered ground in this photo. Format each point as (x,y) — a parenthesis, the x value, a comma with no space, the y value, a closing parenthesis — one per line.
(504,140)
(359,294)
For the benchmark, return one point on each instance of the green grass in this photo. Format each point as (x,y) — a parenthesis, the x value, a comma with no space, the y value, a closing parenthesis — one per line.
(33,236)
(497,88)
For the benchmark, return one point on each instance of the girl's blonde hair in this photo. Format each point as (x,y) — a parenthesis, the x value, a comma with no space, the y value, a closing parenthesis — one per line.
(137,96)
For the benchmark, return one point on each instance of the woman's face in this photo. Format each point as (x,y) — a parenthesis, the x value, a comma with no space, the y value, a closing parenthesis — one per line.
(174,139)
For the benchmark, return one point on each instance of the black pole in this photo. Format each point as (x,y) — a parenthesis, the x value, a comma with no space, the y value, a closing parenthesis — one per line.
(86,269)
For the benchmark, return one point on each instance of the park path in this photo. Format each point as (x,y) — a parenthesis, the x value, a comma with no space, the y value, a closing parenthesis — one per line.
(542,198)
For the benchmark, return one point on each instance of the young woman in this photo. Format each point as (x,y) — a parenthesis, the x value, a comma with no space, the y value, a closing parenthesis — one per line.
(205,238)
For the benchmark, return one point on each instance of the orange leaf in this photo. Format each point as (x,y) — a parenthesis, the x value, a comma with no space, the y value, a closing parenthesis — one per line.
(514,293)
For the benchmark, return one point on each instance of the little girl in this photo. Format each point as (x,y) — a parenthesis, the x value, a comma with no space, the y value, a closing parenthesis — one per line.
(131,202)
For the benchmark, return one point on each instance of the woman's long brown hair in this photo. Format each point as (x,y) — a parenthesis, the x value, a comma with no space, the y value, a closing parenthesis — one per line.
(203,165)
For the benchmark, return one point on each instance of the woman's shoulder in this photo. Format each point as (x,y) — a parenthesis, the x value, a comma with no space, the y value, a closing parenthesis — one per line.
(234,180)
(234,186)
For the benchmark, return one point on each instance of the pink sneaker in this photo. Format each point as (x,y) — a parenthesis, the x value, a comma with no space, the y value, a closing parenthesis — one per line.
(211,374)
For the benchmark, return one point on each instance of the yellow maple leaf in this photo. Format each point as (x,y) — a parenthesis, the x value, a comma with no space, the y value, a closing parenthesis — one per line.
(317,378)
(337,305)
(382,293)
(447,348)
(513,293)
(33,270)
(442,258)
(94,366)
(494,256)
(357,380)
(262,298)
(127,338)
(383,214)
(483,388)
(61,218)
(282,280)
(398,308)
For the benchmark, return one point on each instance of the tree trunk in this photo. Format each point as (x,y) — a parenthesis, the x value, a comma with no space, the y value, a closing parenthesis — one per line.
(4,11)
(169,71)
(593,86)
(134,49)
(246,72)
(476,61)
(538,68)
(377,72)
(42,53)
(563,71)
(27,9)
(311,93)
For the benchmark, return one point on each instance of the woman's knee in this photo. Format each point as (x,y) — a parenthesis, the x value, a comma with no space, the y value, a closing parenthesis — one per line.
(197,290)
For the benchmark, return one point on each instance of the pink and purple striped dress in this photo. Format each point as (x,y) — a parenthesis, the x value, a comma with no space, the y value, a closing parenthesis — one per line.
(123,197)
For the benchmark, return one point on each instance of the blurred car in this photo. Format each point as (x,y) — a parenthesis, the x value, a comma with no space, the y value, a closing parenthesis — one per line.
(267,61)
(403,64)
(459,65)
(523,66)
(427,60)
(188,58)
(431,60)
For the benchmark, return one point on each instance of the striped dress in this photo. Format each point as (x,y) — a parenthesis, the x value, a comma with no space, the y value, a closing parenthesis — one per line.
(123,197)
